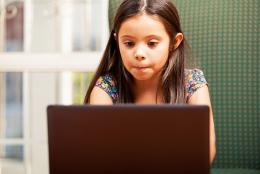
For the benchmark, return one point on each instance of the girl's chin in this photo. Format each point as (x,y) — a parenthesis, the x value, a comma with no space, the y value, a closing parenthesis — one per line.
(141,77)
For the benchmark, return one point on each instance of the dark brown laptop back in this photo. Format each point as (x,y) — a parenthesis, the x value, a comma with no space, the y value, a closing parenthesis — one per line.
(128,139)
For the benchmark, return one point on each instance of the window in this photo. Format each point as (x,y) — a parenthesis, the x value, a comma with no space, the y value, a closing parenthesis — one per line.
(11,127)
(49,50)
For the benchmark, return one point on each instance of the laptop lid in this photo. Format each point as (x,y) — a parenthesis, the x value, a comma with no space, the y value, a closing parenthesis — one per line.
(128,139)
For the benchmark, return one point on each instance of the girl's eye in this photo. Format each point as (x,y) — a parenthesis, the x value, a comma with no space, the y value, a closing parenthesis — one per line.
(129,44)
(152,44)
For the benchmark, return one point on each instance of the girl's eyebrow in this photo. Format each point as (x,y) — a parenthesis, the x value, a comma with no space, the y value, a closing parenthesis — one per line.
(146,37)
(154,36)
(127,36)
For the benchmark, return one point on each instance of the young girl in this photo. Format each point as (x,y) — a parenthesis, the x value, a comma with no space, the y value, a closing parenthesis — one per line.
(144,61)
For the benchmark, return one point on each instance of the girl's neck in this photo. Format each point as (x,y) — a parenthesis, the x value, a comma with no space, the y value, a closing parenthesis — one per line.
(147,92)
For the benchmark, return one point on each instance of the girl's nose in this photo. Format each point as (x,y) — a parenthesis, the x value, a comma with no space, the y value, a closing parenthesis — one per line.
(139,54)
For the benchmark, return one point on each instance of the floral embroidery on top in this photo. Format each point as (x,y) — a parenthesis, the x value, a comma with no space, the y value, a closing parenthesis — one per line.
(194,80)
(106,83)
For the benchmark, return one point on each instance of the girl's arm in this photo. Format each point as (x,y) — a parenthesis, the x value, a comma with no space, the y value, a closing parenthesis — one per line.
(201,97)
(99,97)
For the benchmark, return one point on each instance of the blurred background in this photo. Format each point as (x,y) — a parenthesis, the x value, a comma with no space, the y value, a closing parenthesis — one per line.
(48,52)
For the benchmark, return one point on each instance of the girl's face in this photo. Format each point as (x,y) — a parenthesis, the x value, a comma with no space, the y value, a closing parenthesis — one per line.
(144,46)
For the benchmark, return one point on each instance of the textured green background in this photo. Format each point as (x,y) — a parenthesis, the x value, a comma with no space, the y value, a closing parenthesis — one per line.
(224,36)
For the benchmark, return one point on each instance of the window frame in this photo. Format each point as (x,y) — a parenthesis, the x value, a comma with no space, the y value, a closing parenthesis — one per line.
(28,62)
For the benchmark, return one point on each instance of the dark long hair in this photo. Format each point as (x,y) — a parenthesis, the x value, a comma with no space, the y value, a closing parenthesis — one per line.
(172,78)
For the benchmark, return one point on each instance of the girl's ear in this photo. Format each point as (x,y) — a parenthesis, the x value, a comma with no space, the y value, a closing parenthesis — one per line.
(177,40)
(115,36)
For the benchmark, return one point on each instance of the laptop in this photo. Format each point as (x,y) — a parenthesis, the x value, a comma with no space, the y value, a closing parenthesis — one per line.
(128,139)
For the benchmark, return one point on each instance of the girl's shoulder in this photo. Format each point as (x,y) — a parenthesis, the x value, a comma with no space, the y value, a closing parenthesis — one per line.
(107,83)
(195,79)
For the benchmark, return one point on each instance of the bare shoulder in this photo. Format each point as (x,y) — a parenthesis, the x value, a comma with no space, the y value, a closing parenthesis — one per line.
(99,96)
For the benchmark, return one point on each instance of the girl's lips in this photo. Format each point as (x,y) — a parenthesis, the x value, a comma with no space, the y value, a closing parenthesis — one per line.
(140,68)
